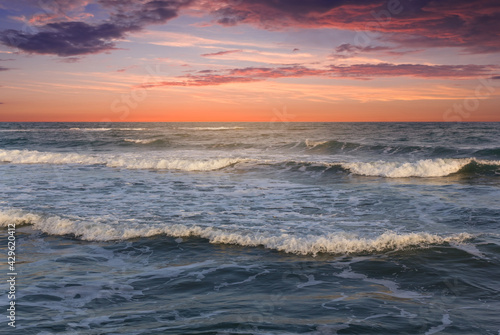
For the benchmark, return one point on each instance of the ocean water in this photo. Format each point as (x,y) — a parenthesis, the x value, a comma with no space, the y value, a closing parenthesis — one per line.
(252,228)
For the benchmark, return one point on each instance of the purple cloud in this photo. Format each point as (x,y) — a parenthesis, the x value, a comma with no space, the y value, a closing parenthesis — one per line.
(80,38)
(220,53)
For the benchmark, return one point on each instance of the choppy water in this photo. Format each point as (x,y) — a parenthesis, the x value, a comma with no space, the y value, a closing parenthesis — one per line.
(253,228)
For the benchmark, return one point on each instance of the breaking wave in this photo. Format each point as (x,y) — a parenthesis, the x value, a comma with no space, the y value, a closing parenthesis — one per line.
(105,129)
(422,168)
(36,157)
(141,141)
(339,243)
(440,167)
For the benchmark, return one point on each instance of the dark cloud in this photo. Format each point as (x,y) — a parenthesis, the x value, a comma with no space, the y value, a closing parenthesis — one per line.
(70,60)
(79,38)
(350,48)
(357,71)
(220,53)
(4,68)
(66,38)
(471,24)
(496,77)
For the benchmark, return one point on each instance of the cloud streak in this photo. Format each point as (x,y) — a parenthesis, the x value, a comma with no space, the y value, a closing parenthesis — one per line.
(347,50)
(221,53)
(357,71)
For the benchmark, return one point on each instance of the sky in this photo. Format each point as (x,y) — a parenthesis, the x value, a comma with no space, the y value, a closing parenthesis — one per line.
(250,60)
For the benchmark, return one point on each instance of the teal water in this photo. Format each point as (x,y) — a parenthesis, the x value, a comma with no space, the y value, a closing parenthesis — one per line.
(252,228)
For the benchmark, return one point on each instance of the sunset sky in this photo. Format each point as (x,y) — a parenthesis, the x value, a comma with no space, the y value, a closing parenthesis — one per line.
(250,60)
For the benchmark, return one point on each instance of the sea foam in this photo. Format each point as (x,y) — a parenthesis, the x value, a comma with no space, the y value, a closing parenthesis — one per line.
(422,168)
(338,243)
(129,162)
(140,141)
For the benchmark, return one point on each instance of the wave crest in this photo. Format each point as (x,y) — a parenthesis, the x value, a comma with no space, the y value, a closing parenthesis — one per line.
(422,168)
(340,243)
(210,128)
(149,141)
(129,162)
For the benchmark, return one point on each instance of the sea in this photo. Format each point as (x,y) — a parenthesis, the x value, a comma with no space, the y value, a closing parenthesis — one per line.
(250,228)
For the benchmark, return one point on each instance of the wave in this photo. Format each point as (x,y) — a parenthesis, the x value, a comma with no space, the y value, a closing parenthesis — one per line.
(141,141)
(106,129)
(313,144)
(336,147)
(91,129)
(129,162)
(492,152)
(422,168)
(339,243)
(426,168)
(210,128)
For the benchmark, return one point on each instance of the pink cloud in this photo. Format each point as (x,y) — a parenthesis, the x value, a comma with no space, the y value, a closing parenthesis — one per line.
(357,71)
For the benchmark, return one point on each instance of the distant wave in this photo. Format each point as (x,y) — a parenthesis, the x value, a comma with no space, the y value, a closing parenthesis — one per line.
(106,129)
(210,128)
(333,147)
(339,243)
(421,168)
(72,129)
(313,144)
(90,129)
(149,141)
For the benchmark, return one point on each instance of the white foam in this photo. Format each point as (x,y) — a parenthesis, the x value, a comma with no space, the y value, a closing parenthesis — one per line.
(339,243)
(129,162)
(313,144)
(135,129)
(445,322)
(17,217)
(140,141)
(422,168)
(174,164)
